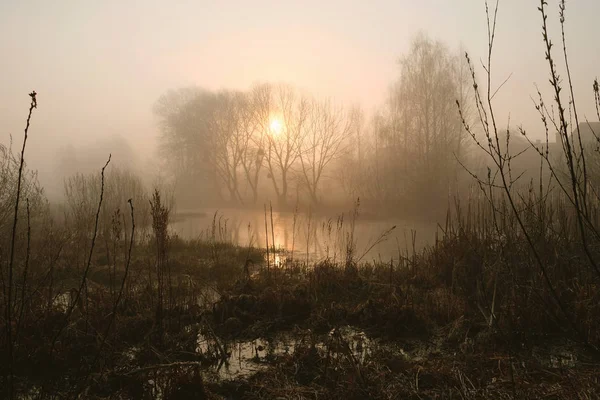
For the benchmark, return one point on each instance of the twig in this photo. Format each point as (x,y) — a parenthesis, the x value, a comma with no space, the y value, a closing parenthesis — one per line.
(10,343)
(115,305)
(89,261)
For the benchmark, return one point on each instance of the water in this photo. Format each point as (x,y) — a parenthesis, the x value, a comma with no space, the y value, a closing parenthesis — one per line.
(245,358)
(308,235)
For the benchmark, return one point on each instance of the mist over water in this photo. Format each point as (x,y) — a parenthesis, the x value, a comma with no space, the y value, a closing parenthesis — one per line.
(322,236)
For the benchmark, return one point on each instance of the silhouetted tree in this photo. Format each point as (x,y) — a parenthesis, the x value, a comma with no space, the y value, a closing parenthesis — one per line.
(322,141)
(255,125)
(221,142)
(225,123)
(186,142)
(283,148)
(420,134)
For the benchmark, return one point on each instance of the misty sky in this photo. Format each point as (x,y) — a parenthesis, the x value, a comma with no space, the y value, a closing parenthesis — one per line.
(99,66)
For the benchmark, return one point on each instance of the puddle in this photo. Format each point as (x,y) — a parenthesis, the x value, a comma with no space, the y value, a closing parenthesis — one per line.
(131,353)
(62,301)
(556,357)
(563,361)
(206,296)
(560,359)
(245,358)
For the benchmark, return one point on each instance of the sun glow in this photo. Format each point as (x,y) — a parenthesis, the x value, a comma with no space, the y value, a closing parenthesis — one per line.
(276,126)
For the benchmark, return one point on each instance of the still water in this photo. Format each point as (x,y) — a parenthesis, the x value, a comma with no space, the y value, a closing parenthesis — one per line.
(308,235)
(245,358)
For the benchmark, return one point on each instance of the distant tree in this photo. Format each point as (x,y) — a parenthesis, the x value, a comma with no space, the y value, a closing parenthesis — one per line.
(363,170)
(291,111)
(223,142)
(422,136)
(326,131)
(186,144)
(30,188)
(226,123)
(86,158)
(255,125)
(351,168)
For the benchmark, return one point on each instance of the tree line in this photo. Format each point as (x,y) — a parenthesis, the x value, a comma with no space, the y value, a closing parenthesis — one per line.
(234,145)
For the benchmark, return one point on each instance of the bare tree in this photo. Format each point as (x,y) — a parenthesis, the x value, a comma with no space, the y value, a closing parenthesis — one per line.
(327,128)
(186,143)
(254,120)
(352,169)
(227,132)
(283,147)
(420,136)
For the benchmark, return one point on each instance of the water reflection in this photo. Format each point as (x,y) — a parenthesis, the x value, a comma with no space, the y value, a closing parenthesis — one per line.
(244,358)
(308,236)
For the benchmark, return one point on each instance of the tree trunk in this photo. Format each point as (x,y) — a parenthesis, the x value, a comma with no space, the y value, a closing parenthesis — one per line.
(282,197)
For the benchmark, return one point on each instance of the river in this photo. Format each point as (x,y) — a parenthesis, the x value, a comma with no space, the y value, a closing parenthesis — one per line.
(308,235)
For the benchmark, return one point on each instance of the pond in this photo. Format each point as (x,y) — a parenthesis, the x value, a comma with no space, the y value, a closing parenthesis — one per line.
(307,235)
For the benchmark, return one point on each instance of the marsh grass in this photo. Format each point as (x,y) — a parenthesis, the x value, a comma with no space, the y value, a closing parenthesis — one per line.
(474,292)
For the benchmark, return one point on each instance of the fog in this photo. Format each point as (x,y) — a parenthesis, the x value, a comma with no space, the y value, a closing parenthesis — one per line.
(299,199)
(100,69)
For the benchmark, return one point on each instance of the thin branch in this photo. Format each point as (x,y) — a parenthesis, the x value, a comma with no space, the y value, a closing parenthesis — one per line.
(10,343)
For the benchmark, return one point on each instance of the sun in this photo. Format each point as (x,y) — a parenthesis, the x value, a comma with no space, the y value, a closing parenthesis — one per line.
(276,126)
